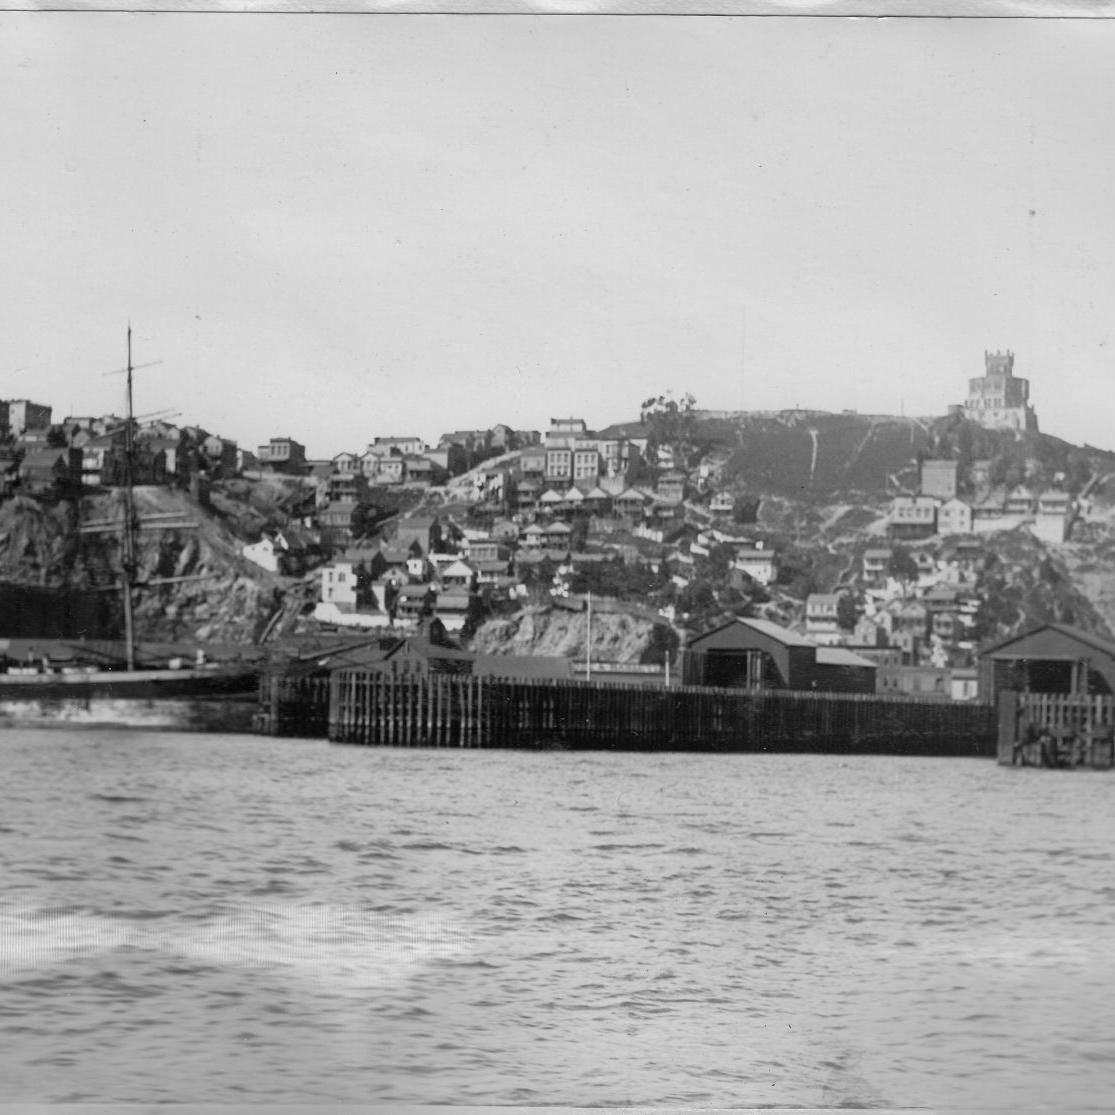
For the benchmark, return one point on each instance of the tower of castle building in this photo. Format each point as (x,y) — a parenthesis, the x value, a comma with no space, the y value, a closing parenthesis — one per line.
(1000,400)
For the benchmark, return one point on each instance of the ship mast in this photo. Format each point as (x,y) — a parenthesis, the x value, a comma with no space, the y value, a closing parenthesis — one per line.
(129,537)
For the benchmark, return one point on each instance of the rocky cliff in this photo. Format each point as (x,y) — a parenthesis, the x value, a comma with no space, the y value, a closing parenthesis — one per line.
(551,631)
(213,594)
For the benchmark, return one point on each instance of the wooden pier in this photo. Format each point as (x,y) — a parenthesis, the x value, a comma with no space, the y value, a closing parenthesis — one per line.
(1056,730)
(447,710)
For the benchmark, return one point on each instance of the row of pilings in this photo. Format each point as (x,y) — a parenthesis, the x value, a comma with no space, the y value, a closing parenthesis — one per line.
(455,710)
(1061,730)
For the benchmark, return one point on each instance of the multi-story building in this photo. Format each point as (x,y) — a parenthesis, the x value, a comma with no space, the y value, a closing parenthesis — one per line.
(532,462)
(346,463)
(565,428)
(876,562)
(938,479)
(821,618)
(19,415)
(220,455)
(757,563)
(347,487)
(954,517)
(283,454)
(586,460)
(559,465)
(912,517)
(998,399)
(402,445)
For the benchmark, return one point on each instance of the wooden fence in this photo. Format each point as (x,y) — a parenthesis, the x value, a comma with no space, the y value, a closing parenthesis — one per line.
(369,707)
(1056,730)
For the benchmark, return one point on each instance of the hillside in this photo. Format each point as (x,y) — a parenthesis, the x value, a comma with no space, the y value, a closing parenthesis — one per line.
(814,456)
(556,632)
(215,595)
(821,484)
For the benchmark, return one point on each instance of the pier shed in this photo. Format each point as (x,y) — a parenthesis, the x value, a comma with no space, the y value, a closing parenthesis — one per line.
(757,654)
(1050,658)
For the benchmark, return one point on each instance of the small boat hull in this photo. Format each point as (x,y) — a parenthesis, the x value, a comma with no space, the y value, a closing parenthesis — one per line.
(173,700)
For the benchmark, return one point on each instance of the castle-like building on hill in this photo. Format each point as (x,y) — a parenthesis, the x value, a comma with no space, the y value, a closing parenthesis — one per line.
(998,399)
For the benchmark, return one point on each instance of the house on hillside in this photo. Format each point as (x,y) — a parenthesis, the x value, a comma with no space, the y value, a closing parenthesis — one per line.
(1054,516)
(340,522)
(421,531)
(102,458)
(631,502)
(821,612)
(18,416)
(458,575)
(954,517)
(671,486)
(912,517)
(283,454)
(219,456)
(876,562)
(51,472)
(938,479)
(1020,501)
(758,564)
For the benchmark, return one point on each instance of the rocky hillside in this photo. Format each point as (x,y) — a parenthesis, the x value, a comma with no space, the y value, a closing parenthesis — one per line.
(561,633)
(214,594)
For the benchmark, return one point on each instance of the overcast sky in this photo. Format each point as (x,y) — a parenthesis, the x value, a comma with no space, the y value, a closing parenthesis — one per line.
(335,227)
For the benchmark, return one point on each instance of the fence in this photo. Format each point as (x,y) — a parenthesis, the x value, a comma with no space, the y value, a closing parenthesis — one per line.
(438,710)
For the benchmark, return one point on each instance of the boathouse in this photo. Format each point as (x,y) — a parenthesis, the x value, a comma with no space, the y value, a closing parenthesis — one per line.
(1051,658)
(757,654)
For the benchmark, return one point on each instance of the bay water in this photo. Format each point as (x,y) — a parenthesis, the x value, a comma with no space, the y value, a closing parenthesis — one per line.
(231,919)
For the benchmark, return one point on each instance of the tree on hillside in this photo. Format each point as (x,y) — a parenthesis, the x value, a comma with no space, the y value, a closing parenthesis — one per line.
(902,565)
(670,422)
(846,611)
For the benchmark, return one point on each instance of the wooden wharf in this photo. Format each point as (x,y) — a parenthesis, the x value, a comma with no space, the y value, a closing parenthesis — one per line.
(458,710)
(1056,730)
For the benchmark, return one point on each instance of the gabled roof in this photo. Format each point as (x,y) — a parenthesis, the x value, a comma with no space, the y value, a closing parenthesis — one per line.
(413,591)
(457,567)
(492,566)
(781,634)
(839,656)
(1077,633)
(629,494)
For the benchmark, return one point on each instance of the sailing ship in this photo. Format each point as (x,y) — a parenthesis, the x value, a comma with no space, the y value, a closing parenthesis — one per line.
(188,692)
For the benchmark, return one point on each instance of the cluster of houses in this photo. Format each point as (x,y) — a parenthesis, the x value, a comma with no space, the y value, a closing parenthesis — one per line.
(543,480)
(917,626)
(83,452)
(562,500)
(937,510)
(433,567)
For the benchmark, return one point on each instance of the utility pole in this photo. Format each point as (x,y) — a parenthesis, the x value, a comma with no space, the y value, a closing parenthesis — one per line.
(588,640)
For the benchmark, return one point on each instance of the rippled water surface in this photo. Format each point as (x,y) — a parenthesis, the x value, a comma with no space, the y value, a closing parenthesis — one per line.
(231,919)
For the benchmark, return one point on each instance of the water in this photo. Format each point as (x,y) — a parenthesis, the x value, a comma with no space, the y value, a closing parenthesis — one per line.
(239,920)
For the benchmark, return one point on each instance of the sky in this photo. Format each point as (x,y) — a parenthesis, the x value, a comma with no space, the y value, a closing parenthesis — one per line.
(334,227)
